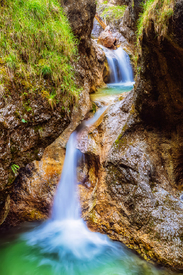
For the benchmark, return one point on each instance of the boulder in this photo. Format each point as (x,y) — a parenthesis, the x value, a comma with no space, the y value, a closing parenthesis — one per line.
(107,40)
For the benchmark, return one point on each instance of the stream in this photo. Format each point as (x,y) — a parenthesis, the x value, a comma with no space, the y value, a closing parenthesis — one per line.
(63,245)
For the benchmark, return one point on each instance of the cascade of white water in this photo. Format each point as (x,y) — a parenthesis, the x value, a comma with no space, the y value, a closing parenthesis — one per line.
(66,204)
(119,64)
(65,233)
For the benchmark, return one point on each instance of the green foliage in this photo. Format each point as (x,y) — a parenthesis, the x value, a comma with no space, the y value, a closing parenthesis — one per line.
(94,107)
(24,121)
(37,44)
(15,168)
(113,12)
(160,12)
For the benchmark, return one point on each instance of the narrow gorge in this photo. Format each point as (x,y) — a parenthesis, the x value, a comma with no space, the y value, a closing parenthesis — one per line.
(91,137)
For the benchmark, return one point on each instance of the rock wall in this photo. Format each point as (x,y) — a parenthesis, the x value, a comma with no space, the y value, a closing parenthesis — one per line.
(159,97)
(128,191)
(128,25)
(91,65)
(136,194)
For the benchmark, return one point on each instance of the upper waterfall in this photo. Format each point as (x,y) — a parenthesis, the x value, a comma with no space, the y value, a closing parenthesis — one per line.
(119,64)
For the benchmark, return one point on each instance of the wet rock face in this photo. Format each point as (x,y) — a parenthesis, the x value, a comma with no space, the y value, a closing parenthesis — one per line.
(128,23)
(90,66)
(24,135)
(80,14)
(34,188)
(177,23)
(159,97)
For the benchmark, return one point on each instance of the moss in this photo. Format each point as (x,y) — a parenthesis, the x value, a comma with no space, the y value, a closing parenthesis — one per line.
(11,178)
(151,224)
(119,139)
(94,107)
(33,215)
(132,110)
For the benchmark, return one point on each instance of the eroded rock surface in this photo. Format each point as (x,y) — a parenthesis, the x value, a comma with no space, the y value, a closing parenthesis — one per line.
(128,193)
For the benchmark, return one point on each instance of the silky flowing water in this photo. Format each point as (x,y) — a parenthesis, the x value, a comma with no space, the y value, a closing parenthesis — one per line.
(63,245)
(121,75)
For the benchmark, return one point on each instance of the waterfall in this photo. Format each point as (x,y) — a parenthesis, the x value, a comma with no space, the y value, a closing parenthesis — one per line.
(66,204)
(119,64)
(65,234)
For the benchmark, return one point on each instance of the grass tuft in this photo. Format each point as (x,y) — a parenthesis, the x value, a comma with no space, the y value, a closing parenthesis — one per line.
(37,44)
